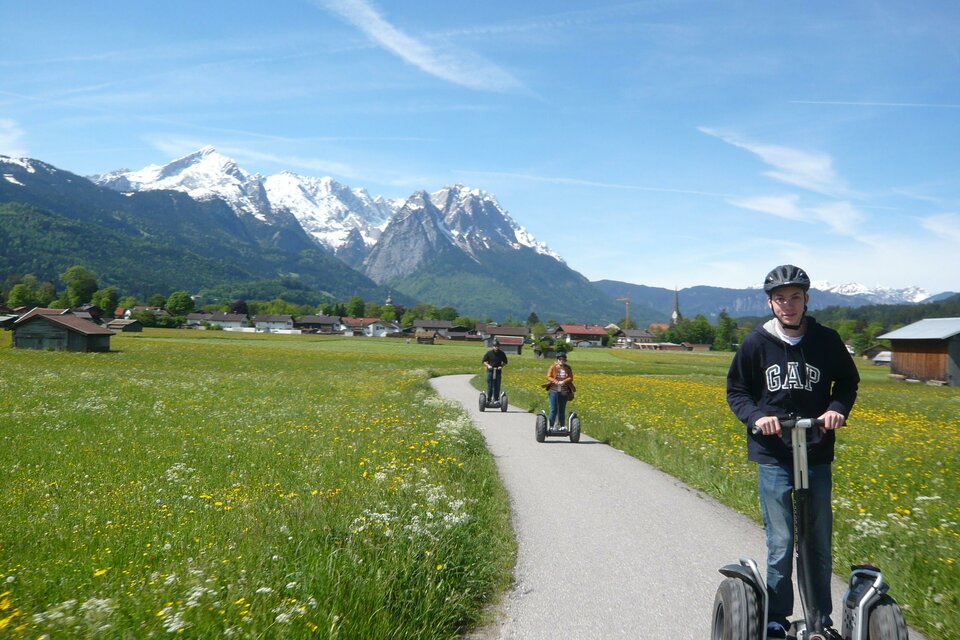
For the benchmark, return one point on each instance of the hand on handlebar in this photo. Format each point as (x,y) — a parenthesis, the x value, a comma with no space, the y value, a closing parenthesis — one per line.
(832,420)
(768,426)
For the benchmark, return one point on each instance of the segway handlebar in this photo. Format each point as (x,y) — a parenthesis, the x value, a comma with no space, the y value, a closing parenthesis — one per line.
(801,423)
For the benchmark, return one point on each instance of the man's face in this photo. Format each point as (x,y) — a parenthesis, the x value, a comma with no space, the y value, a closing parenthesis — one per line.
(787,304)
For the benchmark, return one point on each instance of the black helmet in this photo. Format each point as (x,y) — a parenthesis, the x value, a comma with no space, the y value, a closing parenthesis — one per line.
(786,275)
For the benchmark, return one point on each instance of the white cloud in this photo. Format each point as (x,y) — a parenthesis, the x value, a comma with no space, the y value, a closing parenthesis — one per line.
(781,206)
(10,137)
(842,217)
(459,67)
(944,225)
(805,169)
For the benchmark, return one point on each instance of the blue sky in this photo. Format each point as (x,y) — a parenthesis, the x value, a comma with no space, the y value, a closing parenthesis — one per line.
(669,143)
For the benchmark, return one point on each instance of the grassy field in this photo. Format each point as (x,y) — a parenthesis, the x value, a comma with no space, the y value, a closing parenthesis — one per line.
(216,484)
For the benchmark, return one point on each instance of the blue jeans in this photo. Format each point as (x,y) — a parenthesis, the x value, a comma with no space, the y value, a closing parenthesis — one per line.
(493,384)
(558,406)
(776,502)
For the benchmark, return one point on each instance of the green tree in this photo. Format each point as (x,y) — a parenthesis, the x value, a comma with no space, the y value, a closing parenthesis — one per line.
(446,313)
(465,321)
(127,302)
(388,313)
(371,310)
(407,319)
(106,299)
(846,329)
(21,295)
(180,303)
(81,285)
(725,338)
(533,319)
(46,293)
(157,300)
(424,311)
(355,307)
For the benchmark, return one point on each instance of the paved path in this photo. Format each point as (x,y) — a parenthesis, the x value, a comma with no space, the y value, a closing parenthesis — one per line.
(608,546)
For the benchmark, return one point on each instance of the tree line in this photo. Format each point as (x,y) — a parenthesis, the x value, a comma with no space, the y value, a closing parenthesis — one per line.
(858,326)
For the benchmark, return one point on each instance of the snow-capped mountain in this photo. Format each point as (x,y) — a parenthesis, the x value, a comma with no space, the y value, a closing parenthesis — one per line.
(347,221)
(202,175)
(477,221)
(875,295)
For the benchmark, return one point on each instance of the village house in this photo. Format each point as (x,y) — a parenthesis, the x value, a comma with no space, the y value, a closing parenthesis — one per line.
(272,323)
(157,311)
(637,339)
(380,329)
(318,324)
(350,326)
(581,335)
(926,350)
(226,321)
(59,330)
(440,327)
(488,330)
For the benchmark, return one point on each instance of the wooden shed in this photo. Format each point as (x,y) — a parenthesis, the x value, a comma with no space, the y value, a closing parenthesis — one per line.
(60,333)
(125,324)
(508,343)
(927,350)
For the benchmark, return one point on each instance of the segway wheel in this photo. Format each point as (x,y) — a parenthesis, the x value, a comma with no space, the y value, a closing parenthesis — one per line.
(503,402)
(541,427)
(886,620)
(483,401)
(574,428)
(735,612)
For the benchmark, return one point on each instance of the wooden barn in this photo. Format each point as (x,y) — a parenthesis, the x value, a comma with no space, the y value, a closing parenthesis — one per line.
(125,324)
(508,343)
(927,350)
(59,333)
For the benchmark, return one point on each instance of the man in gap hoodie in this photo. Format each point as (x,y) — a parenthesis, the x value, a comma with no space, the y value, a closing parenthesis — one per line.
(792,367)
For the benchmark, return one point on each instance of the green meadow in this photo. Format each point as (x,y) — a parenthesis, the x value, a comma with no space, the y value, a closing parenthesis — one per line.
(209,484)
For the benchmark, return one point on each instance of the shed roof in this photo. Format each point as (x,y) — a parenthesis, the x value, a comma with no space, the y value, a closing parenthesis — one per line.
(72,323)
(929,329)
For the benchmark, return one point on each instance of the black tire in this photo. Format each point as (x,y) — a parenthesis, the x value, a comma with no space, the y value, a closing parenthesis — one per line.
(503,402)
(541,427)
(735,612)
(886,621)
(483,401)
(574,428)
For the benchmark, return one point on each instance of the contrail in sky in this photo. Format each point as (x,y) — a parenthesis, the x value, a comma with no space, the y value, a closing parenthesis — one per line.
(878,104)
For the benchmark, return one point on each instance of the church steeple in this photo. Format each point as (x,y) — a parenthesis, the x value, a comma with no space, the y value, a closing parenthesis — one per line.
(675,317)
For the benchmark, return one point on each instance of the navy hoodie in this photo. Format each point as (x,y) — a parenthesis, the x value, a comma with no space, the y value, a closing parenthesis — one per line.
(769,377)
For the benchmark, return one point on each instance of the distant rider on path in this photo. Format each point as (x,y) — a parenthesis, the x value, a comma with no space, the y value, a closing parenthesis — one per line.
(494,360)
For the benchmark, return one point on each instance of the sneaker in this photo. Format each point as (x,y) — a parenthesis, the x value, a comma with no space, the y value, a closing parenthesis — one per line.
(776,630)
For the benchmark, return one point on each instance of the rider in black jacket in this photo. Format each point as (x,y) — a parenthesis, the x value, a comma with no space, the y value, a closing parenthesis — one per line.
(494,360)
(792,367)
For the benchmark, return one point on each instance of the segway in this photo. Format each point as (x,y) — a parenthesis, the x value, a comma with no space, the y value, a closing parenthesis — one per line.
(571,429)
(740,608)
(494,403)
